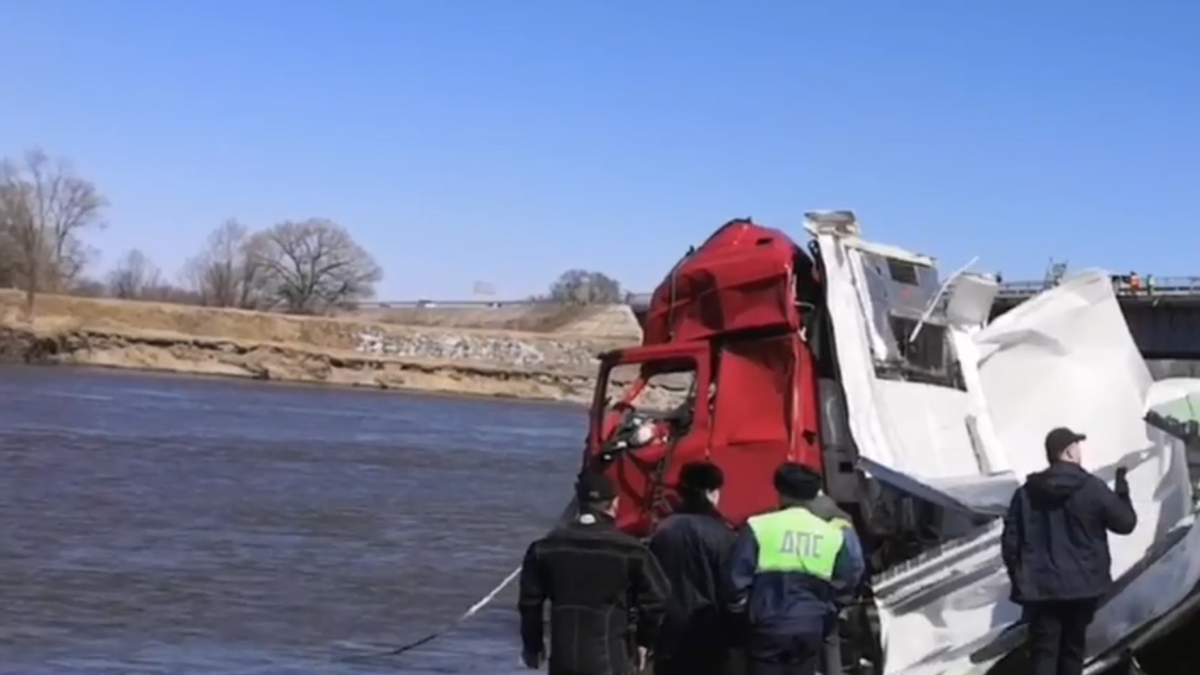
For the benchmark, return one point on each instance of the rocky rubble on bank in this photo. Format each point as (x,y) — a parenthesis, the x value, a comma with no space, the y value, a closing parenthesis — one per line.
(200,356)
(357,349)
(500,348)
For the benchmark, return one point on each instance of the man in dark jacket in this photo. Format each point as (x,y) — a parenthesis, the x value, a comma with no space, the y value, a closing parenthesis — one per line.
(789,569)
(693,546)
(597,579)
(1055,548)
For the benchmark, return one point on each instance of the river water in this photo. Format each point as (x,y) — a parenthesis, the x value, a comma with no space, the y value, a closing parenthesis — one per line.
(153,524)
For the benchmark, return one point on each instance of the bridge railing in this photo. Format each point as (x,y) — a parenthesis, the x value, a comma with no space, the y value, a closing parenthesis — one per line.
(1150,285)
(436,304)
(454,304)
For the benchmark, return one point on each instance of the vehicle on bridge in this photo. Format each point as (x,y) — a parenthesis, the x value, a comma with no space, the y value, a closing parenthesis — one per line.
(860,361)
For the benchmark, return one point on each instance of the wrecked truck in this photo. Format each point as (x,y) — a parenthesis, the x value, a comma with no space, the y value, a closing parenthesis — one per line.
(923,414)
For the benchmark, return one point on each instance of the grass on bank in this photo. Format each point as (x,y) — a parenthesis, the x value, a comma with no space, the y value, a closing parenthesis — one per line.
(67,313)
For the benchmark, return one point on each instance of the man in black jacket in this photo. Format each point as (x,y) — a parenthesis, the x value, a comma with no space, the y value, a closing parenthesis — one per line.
(824,507)
(1055,548)
(693,546)
(597,579)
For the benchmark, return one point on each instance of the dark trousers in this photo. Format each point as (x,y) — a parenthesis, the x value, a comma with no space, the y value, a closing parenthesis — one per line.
(731,664)
(784,654)
(831,661)
(1058,636)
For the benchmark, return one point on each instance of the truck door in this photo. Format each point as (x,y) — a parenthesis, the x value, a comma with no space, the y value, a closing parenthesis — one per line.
(764,414)
(652,397)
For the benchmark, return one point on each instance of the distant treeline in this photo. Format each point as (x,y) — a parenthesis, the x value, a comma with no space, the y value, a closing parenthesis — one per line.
(306,266)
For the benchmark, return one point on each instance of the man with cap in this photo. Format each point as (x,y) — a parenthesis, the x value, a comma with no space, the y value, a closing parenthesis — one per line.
(597,580)
(823,507)
(1055,548)
(789,571)
(693,545)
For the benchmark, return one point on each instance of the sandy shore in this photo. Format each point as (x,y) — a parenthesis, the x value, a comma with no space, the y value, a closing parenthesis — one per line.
(362,351)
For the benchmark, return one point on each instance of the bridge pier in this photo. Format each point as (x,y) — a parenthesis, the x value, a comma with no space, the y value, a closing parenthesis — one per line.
(1163,328)
(1169,331)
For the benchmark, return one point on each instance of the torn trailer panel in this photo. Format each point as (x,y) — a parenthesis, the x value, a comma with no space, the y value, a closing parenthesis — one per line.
(861,361)
(1067,359)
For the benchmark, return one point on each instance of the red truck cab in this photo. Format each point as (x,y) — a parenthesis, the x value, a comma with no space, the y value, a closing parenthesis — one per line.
(724,373)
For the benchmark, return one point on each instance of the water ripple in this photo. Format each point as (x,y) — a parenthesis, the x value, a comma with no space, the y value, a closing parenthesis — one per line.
(163,525)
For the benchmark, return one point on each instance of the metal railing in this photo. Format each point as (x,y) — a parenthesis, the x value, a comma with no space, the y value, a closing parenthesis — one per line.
(459,304)
(1147,287)
(438,304)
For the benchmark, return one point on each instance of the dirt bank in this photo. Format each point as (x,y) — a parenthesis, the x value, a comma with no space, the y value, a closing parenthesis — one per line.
(340,351)
(288,363)
(616,322)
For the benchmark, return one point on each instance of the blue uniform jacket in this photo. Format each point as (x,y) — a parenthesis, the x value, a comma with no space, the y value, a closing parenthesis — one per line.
(791,603)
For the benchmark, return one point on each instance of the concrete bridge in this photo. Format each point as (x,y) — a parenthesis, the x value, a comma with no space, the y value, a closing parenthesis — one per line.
(1164,318)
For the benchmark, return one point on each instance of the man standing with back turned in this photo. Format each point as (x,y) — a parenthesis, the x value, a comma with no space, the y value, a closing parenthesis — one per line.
(1055,548)
(596,579)
(693,545)
(789,569)
(825,508)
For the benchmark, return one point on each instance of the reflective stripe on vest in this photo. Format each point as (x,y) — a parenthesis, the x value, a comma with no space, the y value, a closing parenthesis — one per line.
(794,540)
(841,523)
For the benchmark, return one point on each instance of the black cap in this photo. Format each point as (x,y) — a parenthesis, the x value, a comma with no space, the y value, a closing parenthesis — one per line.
(696,477)
(1058,440)
(594,488)
(796,481)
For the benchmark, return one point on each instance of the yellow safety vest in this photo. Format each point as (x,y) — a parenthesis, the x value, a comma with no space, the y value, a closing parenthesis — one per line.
(795,540)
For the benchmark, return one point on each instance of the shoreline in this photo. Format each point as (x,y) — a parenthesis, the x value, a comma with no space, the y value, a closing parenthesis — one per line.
(156,352)
(440,352)
(298,384)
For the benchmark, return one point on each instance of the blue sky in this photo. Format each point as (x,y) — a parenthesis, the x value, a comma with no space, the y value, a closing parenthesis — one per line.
(507,140)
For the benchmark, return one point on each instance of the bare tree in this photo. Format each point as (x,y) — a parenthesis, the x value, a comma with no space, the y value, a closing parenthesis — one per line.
(44,207)
(582,287)
(313,266)
(134,276)
(167,292)
(10,258)
(87,287)
(225,274)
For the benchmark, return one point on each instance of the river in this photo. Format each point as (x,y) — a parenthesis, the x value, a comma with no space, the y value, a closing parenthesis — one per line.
(155,524)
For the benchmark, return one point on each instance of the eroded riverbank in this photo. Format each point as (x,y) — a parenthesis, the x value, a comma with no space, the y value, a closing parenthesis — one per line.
(345,351)
(291,363)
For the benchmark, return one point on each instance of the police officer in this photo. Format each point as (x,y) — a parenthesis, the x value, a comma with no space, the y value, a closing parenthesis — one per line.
(788,570)
(597,580)
(693,545)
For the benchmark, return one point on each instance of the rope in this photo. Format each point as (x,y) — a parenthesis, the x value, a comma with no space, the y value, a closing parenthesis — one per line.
(567,514)
(474,609)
